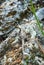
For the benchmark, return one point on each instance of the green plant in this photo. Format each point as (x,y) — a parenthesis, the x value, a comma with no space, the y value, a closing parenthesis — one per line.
(38,22)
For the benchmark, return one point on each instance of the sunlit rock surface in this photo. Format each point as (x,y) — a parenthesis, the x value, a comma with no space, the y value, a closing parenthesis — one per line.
(19,34)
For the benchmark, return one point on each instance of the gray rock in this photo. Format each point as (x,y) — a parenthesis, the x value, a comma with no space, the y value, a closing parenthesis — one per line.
(39,14)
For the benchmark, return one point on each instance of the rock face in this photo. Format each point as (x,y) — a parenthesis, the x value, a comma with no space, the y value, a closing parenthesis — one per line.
(21,40)
(1,1)
(12,13)
(19,34)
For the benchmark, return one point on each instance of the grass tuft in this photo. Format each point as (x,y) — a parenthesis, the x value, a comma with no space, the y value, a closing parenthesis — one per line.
(38,22)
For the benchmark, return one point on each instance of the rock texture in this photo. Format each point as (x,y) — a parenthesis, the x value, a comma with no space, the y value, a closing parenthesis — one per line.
(21,42)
